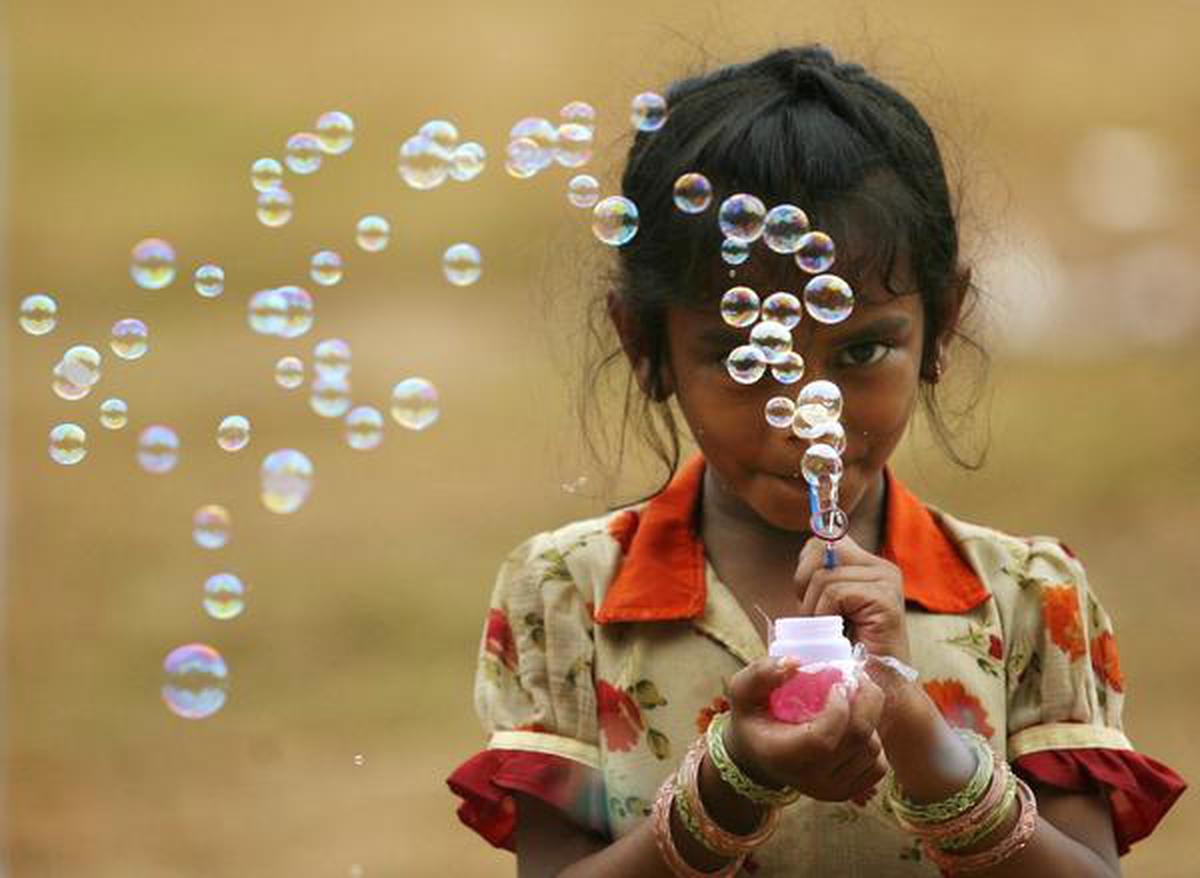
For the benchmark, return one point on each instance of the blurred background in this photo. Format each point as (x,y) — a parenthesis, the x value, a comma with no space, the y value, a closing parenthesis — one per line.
(1073,132)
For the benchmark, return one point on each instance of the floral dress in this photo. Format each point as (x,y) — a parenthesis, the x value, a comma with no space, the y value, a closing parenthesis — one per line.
(609,644)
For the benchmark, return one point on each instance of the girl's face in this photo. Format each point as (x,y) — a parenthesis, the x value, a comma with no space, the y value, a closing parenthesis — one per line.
(874,357)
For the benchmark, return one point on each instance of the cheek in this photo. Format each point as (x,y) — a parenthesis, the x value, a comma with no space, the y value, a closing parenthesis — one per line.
(877,413)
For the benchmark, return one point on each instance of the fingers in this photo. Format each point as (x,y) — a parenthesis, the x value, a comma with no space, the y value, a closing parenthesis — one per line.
(750,688)
(816,602)
(828,728)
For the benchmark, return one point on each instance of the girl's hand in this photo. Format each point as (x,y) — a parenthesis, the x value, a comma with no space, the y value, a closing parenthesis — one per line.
(833,758)
(864,589)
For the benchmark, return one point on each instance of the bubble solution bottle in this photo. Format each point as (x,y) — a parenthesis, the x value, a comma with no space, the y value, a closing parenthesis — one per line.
(826,659)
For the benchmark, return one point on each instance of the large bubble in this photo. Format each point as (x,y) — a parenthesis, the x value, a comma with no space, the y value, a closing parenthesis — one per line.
(424,163)
(158,449)
(819,401)
(196,684)
(415,403)
(821,463)
(615,220)
(828,298)
(784,227)
(741,217)
(68,444)
(153,264)
(39,314)
(462,264)
(286,476)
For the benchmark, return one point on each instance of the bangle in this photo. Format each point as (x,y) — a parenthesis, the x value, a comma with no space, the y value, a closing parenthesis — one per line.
(692,814)
(661,815)
(735,777)
(1017,839)
(914,817)
(988,824)
(980,812)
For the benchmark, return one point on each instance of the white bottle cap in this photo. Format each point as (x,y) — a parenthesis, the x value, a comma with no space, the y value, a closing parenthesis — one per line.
(811,639)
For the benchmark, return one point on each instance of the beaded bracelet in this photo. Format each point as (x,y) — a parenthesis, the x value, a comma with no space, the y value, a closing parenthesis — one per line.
(1020,836)
(661,815)
(913,815)
(735,777)
(692,814)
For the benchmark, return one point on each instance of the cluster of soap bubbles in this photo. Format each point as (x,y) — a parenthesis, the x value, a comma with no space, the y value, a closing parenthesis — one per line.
(433,155)
(536,143)
(304,151)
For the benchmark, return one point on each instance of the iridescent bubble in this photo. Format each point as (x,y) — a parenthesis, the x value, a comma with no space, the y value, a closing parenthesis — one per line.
(522,158)
(783,308)
(373,233)
(580,113)
(158,449)
(441,132)
(741,217)
(830,523)
(81,365)
(210,281)
(196,684)
(583,190)
(816,252)
(114,414)
(233,433)
(740,306)
(266,174)
(223,596)
(335,132)
(615,220)
(39,314)
(693,193)
(364,428)
(790,369)
(415,403)
(153,264)
(298,311)
(819,401)
(303,153)
(574,149)
(784,227)
(267,312)
(330,397)
(326,268)
(462,264)
(773,339)
(828,298)
(424,163)
(544,135)
(287,477)
(274,207)
(649,111)
(210,527)
(734,252)
(821,463)
(830,433)
(130,339)
(467,161)
(332,359)
(289,372)
(779,411)
(746,364)
(68,444)
(66,389)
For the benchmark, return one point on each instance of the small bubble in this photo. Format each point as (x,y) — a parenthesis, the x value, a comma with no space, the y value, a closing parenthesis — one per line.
(773,339)
(615,220)
(297,311)
(326,268)
(373,233)
(741,217)
(66,389)
(784,228)
(821,463)
(210,527)
(583,190)
(287,477)
(335,132)
(39,314)
(575,485)
(789,370)
(462,264)
(114,414)
(828,298)
(816,252)
(830,523)
(693,193)
(130,339)
(467,161)
(266,312)
(210,281)
(740,307)
(734,252)
(544,135)
(779,411)
(274,207)
(289,372)
(68,444)
(649,111)
(266,174)
(360,760)
(303,153)
(415,404)
(830,433)
(196,681)
(332,359)
(580,113)
(233,433)
(158,449)
(783,308)
(223,596)
(424,163)
(574,149)
(81,365)
(746,364)
(364,428)
(522,158)
(153,264)
(329,397)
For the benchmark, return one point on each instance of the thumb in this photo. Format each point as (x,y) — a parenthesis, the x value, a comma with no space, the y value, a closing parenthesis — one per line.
(750,688)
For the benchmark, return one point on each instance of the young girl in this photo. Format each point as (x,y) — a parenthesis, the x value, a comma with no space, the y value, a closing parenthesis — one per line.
(622,674)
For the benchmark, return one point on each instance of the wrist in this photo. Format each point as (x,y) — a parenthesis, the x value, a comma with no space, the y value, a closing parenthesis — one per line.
(727,806)
(928,758)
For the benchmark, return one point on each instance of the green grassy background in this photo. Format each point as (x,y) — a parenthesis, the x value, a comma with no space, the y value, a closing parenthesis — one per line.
(133,119)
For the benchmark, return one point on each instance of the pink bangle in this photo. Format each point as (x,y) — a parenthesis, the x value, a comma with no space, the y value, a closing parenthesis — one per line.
(1017,839)
(661,815)
(712,835)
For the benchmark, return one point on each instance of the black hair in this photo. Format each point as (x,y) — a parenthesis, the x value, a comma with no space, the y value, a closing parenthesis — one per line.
(800,127)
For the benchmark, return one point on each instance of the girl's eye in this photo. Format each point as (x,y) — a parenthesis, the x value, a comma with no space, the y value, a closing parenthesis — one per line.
(864,353)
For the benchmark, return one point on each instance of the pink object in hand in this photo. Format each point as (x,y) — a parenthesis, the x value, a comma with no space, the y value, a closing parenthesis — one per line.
(803,697)
(819,644)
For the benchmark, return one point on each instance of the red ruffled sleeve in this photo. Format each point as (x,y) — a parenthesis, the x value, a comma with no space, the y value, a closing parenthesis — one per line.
(486,782)
(1140,789)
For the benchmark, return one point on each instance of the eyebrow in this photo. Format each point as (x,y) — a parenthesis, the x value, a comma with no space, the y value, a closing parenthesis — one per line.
(895,325)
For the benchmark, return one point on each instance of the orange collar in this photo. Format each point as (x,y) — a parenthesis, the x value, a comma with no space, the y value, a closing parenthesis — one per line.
(662,575)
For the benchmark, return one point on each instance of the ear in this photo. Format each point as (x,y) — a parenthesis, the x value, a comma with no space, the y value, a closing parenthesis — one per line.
(951,313)
(655,384)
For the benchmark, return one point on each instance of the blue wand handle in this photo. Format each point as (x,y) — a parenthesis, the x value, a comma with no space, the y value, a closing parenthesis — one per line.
(814,505)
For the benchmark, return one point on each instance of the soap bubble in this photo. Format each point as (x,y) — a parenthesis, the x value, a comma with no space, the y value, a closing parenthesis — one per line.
(39,314)
(783,308)
(816,252)
(830,523)
(819,401)
(779,411)
(286,480)
(210,527)
(649,111)
(266,174)
(790,369)
(330,397)
(130,339)
(828,298)
(233,433)
(210,281)
(424,163)
(615,220)
(297,312)
(303,153)
(326,268)
(114,413)
(274,207)
(68,444)
(267,312)
(462,264)
(784,227)
(773,339)
(580,113)
(574,149)
(158,449)
(739,306)
(741,217)
(331,359)
(364,428)
(66,389)
(441,132)
(522,158)
(223,596)
(830,433)
(415,403)
(734,252)
(153,264)
(335,132)
(289,372)
(583,190)
(467,161)
(693,193)
(821,463)
(544,135)
(746,364)
(373,233)
(360,760)
(197,681)
(81,365)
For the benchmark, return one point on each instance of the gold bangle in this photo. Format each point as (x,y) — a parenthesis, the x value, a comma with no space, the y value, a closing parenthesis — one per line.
(735,777)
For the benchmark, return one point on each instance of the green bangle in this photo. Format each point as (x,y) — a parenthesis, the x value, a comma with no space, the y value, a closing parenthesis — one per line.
(686,816)
(735,777)
(986,828)
(956,805)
